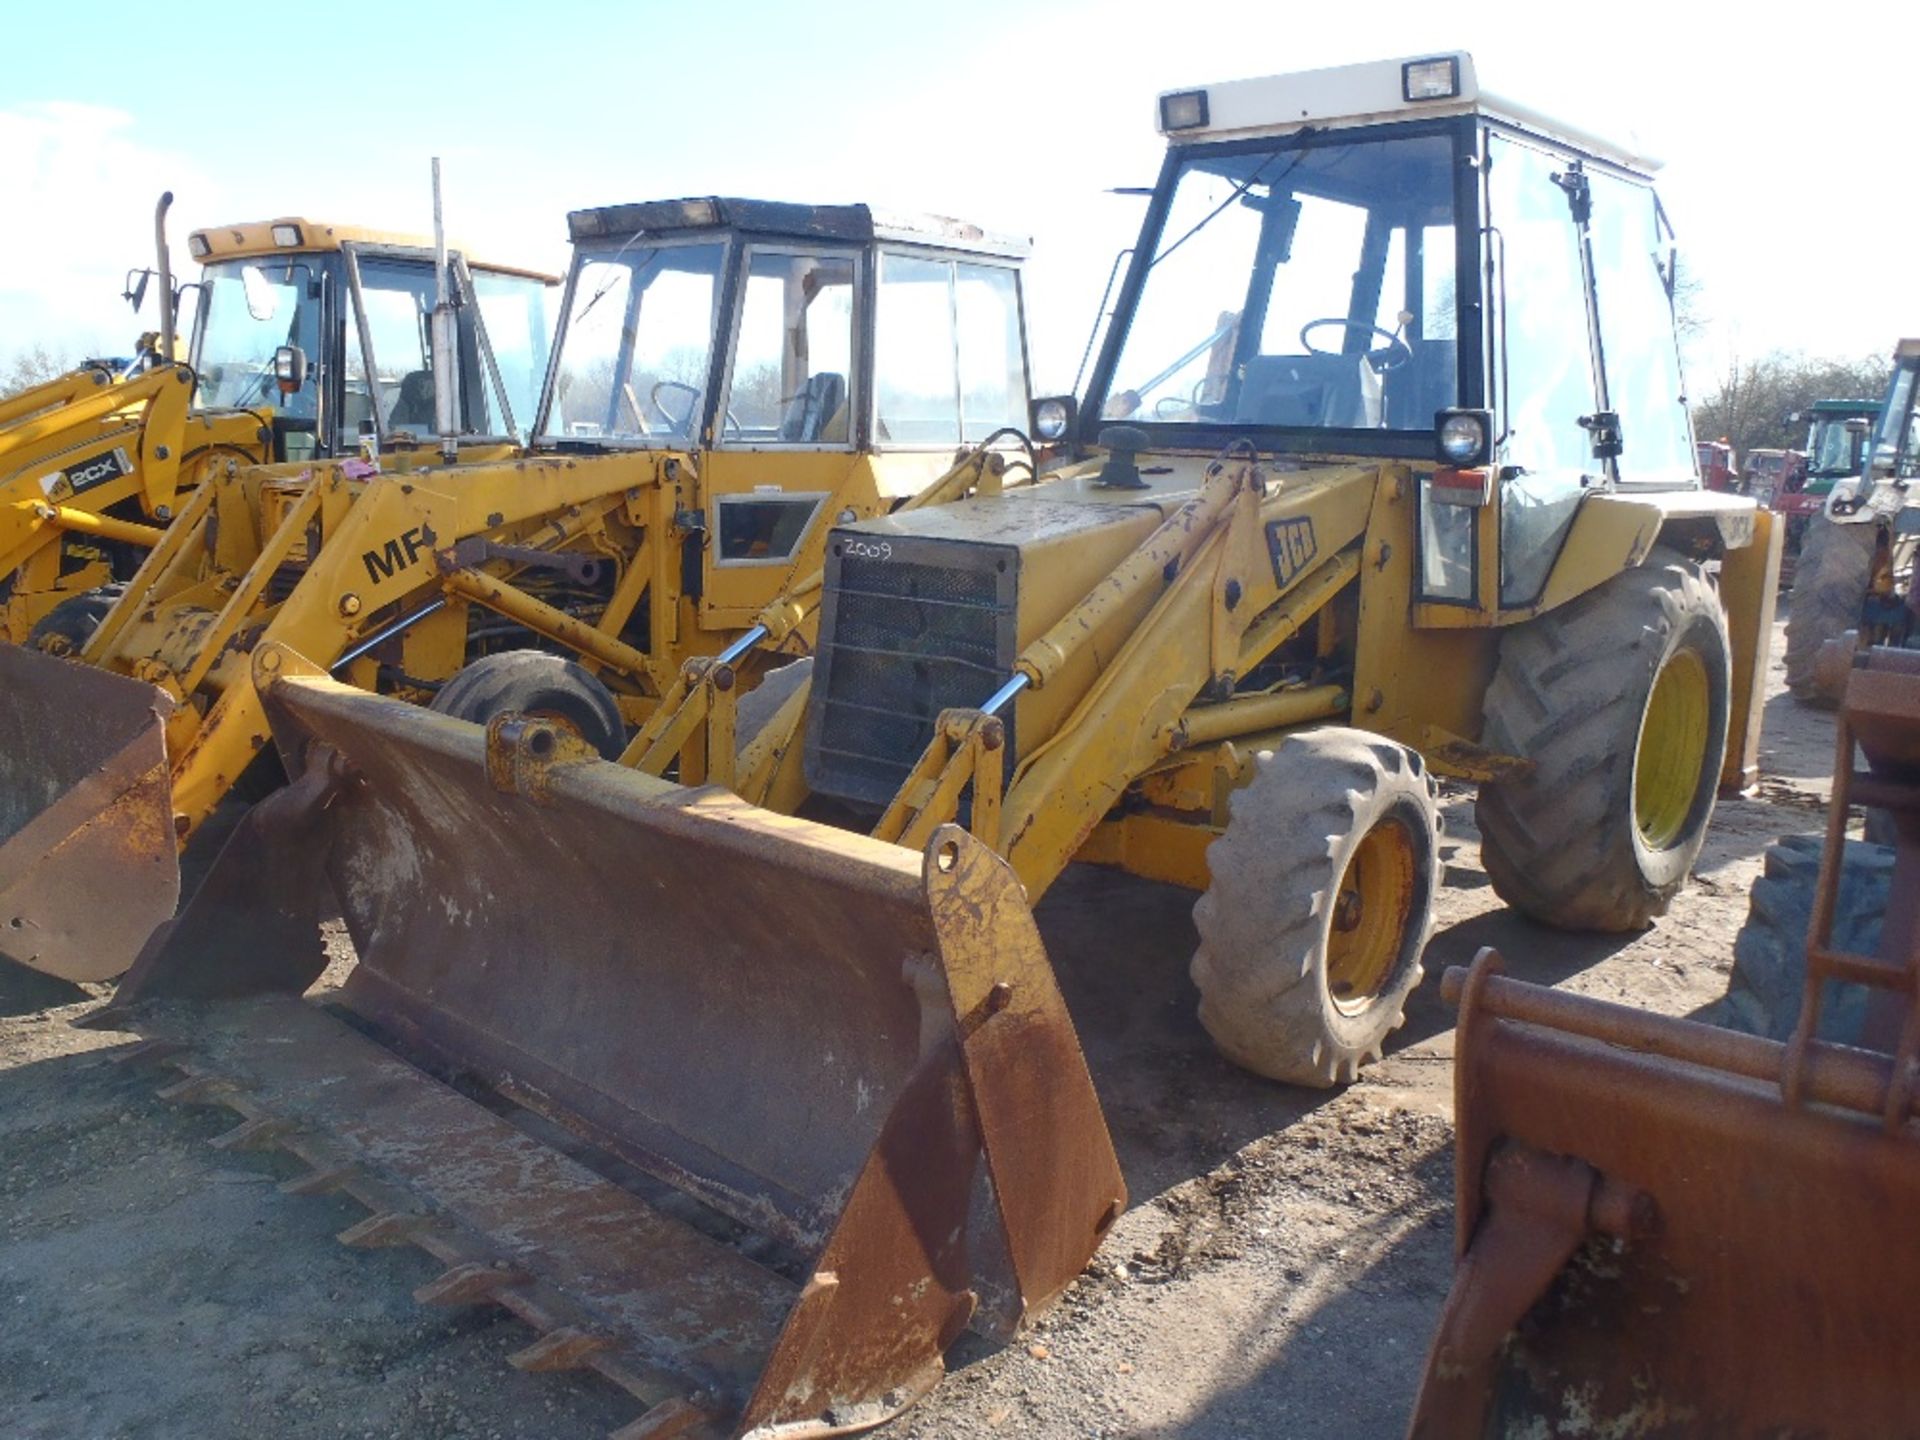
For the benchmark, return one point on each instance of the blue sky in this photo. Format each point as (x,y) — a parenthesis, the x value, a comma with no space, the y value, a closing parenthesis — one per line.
(1789,173)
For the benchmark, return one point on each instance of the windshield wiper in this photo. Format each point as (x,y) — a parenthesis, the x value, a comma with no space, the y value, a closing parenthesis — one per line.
(1238,190)
(614,279)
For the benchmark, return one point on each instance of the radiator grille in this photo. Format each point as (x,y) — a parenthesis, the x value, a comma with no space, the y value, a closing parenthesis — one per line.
(901,639)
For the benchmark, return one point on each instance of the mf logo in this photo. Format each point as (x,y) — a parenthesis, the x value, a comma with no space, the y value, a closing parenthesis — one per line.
(1291,544)
(397,554)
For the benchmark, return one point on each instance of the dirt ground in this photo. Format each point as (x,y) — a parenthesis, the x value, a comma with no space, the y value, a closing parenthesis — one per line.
(1279,1272)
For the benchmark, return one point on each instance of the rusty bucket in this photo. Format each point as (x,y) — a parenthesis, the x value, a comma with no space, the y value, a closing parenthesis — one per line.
(812,1104)
(87,860)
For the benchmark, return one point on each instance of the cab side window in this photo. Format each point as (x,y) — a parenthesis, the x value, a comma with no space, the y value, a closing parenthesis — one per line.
(793,362)
(1636,332)
(1547,361)
(950,365)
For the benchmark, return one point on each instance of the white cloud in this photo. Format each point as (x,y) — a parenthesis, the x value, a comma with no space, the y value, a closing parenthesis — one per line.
(81,187)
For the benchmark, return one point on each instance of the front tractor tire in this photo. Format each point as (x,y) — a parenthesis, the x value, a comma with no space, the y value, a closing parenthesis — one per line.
(1830,583)
(67,627)
(1319,907)
(1620,701)
(532,682)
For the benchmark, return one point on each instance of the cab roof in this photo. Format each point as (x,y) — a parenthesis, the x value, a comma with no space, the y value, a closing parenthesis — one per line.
(1846,407)
(1371,93)
(786,220)
(292,234)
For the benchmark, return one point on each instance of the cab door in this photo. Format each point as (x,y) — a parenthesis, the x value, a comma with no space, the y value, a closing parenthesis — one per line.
(1546,373)
(784,460)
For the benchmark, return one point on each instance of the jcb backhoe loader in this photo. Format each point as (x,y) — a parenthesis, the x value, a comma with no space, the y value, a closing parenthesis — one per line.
(94,466)
(730,379)
(1667,1228)
(1397,481)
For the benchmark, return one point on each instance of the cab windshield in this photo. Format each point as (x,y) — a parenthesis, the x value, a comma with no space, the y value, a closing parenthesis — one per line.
(637,345)
(1306,283)
(1831,447)
(248,309)
(1898,438)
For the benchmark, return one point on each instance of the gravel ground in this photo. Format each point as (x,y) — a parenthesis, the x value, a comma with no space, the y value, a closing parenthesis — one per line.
(1279,1272)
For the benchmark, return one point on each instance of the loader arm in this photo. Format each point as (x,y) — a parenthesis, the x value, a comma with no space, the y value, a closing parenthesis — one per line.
(1225,587)
(379,564)
(62,390)
(131,434)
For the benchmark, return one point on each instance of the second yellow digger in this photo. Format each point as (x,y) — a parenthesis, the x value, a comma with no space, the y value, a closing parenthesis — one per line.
(731,379)
(96,464)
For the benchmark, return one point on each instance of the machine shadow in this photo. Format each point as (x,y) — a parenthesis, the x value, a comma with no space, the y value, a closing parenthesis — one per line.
(1338,1374)
(1175,1107)
(25,992)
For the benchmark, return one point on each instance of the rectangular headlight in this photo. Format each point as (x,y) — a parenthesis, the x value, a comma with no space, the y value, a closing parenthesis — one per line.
(1185,111)
(1430,79)
(286,234)
(198,247)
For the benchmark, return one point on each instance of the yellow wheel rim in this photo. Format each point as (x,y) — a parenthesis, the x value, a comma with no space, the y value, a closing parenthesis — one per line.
(1370,912)
(1672,750)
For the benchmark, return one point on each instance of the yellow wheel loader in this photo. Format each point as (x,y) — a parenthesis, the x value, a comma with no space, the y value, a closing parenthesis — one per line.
(94,466)
(1387,475)
(730,379)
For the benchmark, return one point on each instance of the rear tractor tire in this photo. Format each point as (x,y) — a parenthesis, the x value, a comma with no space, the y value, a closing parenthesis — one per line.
(1321,901)
(1620,699)
(532,682)
(1830,583)
(65,629)
(1769,978)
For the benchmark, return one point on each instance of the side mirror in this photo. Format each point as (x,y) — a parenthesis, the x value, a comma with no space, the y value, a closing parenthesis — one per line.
(289,368)
(262,299)
(1603,428)
(136,291)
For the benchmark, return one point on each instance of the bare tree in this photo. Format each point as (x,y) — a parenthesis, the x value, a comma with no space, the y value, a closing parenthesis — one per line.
(30,367)
(1753,399)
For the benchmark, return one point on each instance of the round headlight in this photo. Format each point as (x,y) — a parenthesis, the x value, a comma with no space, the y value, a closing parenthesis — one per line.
(1462,437)
(1049,420)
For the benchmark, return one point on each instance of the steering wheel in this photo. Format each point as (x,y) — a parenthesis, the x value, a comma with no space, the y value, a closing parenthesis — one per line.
(681,424)
(677,423)
(1392,356)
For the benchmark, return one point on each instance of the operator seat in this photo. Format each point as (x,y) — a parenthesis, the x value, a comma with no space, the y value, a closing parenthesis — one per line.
(413,408)
(812,406)
(1307,391)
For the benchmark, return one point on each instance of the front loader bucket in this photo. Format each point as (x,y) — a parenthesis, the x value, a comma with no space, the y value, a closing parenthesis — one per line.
(1653,1241)
(852,1056)
(87,860)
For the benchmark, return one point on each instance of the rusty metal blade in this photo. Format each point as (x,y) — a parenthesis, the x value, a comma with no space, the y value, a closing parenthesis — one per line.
(1739,1265)
(88,866)
(856,1049)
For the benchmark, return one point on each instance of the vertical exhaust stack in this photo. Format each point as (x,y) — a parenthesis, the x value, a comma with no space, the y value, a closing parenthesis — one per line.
(165,264)
(446,347)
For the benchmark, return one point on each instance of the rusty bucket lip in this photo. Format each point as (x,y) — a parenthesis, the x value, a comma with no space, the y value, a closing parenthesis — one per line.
(90,872)
(612,1003)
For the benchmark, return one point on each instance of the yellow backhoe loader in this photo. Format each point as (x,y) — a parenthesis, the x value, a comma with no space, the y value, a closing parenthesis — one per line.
(95,465)
(1295,576)
(731,378)
(1372,507)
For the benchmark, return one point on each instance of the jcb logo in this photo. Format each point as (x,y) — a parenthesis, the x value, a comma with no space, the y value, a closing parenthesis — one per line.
(1292,546)
(98,469)
(397,554)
